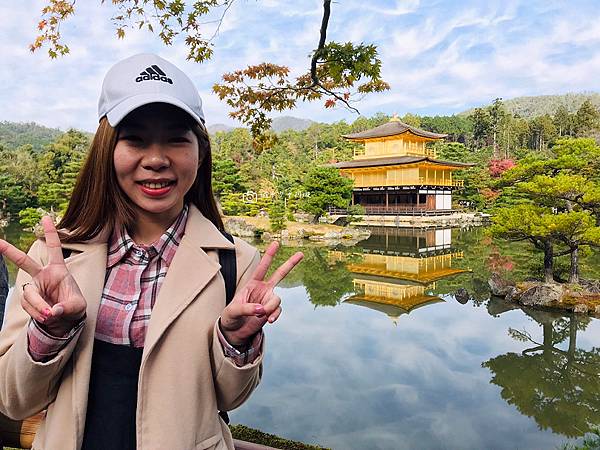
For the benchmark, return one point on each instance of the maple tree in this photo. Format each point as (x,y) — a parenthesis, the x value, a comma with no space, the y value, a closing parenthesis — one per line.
(340,73)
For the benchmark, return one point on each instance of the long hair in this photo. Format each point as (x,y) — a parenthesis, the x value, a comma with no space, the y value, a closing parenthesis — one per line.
(98,202)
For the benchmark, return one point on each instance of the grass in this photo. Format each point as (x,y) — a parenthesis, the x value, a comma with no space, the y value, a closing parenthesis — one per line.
(248,434)
(264,224)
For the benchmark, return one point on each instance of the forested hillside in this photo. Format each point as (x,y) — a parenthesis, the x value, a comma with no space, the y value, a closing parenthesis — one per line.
(14,134)
(539,105)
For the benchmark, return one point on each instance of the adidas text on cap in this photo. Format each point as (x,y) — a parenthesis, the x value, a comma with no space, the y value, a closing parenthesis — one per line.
(142,79)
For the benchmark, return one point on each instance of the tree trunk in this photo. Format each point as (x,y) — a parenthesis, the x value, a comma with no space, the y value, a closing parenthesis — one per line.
(548,262)
(574,274)
(572,337)
(548,341)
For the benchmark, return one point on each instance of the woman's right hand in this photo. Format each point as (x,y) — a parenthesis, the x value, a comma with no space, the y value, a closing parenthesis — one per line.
(53,297)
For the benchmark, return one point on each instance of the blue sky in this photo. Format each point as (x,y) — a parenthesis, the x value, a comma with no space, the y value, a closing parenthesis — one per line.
(439,56)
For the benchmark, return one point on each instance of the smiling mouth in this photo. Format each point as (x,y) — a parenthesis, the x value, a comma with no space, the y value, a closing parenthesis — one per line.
(156,189)
(161,185)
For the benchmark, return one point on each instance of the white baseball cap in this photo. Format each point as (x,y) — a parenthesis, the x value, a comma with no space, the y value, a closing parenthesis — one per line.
(142,79)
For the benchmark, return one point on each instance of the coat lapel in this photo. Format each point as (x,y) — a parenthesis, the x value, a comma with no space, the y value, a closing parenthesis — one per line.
(190,271)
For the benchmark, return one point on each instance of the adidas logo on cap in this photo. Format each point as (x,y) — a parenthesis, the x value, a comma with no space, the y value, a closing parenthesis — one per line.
(153,73)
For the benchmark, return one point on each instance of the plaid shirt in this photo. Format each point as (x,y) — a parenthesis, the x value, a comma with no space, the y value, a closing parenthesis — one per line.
(134,276)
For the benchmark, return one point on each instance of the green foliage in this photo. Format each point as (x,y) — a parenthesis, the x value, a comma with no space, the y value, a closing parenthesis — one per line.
(226,177)
(327,188)
(277,215)
(30,217)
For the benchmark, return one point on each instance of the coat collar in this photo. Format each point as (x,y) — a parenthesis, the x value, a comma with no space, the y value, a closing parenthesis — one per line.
(202,231)
(198,229)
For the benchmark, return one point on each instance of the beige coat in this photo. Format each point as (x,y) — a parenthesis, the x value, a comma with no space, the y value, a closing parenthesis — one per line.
(184,376)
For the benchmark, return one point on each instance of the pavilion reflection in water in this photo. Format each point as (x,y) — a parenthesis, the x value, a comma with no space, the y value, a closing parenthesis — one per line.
(397,268)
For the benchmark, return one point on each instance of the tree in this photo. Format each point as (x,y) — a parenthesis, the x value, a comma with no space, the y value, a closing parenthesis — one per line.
(339,73)
(527,223)
(277,215)
(482,126)
(587,118)
(563,203)
(326,188)
(564,121)
(226,177)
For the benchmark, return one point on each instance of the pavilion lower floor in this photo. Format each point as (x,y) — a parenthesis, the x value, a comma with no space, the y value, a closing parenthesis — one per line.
(414,201)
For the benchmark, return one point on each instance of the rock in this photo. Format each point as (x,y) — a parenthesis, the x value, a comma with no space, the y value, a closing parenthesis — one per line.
(499,286)
(513,294)
(239,227)
(285,234)
(542,295)
(499,305)
(581,308)
(597,309)
(303,218)
(462,296)
(267,236)
(332,235)
(591,286)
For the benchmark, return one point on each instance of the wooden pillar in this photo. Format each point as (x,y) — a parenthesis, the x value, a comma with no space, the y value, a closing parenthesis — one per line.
(352,198)
(387,199)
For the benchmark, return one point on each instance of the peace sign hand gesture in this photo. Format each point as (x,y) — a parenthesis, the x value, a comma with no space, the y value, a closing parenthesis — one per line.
(256,304)
(53,297)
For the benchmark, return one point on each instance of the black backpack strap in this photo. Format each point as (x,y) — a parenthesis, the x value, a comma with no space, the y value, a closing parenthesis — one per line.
(3,289)
(228,269)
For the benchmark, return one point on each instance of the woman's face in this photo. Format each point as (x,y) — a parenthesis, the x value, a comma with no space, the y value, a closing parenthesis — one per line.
(156,159)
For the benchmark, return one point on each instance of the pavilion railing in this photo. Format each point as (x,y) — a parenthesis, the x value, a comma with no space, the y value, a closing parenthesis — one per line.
(399,210)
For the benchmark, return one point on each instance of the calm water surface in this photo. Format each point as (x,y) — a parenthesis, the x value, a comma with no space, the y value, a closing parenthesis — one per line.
(374,350)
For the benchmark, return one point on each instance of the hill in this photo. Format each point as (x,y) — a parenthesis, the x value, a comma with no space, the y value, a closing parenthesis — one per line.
(15,134)
(535,106)
(278,125)
(284,123)
(217,127)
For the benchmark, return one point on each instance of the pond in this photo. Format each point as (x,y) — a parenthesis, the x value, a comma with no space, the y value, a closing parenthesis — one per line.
(374,350)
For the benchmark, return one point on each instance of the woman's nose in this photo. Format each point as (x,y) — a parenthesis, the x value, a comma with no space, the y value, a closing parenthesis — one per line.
(155,158)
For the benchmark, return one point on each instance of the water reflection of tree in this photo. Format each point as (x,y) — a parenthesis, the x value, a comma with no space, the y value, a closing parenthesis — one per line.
(326,282)
(559,389)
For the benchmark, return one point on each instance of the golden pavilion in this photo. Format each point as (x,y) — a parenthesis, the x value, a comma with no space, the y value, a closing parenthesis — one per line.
(396,173)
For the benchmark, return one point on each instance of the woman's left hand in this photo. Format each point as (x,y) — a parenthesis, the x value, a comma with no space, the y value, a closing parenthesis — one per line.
(256,304)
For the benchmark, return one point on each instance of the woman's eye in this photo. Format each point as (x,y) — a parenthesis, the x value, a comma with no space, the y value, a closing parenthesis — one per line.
(131,138)
(179,139)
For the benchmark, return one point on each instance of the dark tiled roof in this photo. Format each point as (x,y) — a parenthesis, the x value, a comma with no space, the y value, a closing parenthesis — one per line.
(394,161)
(392,128)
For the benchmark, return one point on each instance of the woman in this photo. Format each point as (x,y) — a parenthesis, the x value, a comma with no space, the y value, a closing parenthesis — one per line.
(128,342)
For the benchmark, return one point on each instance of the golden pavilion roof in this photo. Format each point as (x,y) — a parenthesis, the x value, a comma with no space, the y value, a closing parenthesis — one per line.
(393,128)
(393,307)
(396,161)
